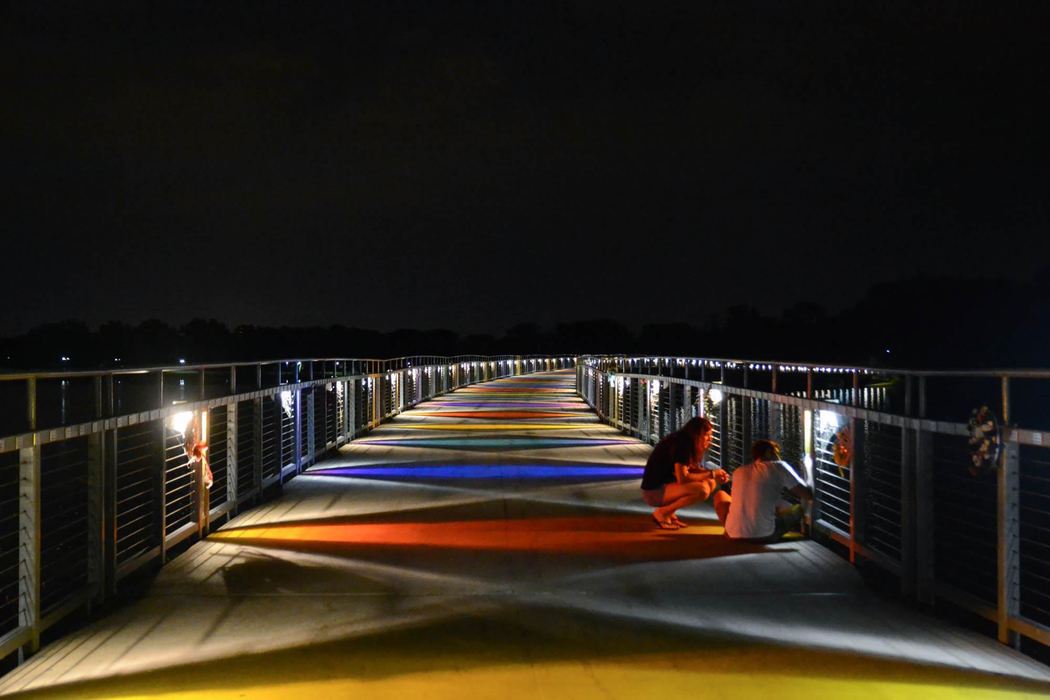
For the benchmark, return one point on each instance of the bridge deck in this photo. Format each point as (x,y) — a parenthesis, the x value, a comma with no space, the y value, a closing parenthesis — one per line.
(493,543)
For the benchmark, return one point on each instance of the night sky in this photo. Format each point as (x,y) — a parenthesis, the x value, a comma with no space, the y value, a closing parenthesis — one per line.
(475,165)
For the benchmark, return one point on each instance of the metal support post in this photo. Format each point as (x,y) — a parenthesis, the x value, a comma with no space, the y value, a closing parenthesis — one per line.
(909,510)
(298,425)
(924,518)
(1009,529)
(232,461)
(311,425)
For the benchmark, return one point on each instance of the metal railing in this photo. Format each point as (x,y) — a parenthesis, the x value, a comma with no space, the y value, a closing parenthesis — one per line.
(902,495)
(96,479)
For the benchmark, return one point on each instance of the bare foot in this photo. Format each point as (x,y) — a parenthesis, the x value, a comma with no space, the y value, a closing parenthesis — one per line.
(664,524)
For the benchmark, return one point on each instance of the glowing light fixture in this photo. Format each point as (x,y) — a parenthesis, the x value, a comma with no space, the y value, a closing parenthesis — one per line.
(286,402)
(830,419)
(180,420)
(715,395)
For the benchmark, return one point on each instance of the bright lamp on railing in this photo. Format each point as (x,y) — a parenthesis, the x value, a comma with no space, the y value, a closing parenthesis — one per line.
(180,420)
(286,402)
(830,419)
(715,395)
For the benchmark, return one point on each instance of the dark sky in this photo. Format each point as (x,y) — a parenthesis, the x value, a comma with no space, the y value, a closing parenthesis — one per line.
(473,165)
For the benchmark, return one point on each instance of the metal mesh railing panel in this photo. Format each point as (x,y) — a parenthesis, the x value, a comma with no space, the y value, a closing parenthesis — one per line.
(880,462)
(386,396)
(1035,534)
(307,408)
(716,451)
(832,480)
(179,496)
(758,410)
(286,420)
(320,406)
(733,434)
(629,400)
(271,437)
(965,521)
(218,455)
(789,432)
(333,413)
(666,424)
(246,451)
(64,523)
(138,455)
(9,526)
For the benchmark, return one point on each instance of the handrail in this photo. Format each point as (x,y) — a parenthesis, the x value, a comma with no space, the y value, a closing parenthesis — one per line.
(906,499)
(87,464)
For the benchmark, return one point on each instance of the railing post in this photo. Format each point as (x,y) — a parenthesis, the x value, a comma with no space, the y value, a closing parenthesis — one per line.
(909,510)
(31,403)
(746,403)
(907,395)
(925,576)
(1008,527)
(233,464)
(298,432)
(29,543)
(347,408)
(857,488)
(311,421)
(773,404)
(856,481)
(203,499)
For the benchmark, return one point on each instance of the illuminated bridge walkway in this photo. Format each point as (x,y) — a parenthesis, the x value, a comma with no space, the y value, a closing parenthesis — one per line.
(492,543)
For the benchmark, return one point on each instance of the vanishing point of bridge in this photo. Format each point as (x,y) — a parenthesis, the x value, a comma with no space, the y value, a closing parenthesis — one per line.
(488,542)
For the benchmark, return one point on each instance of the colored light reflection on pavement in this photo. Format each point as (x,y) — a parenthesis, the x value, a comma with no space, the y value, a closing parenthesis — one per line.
(621,537)
(495,426)
(492,415)
(496,442)
(442,580)
(509,404)
(486,471)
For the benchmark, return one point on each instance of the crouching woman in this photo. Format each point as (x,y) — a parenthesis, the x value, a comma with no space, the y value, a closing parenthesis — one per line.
(676,475)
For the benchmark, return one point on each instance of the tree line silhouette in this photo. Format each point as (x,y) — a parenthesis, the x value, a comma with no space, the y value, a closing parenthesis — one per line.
(920,322)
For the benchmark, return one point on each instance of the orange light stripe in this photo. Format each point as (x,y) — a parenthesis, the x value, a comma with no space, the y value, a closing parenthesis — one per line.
(627,536)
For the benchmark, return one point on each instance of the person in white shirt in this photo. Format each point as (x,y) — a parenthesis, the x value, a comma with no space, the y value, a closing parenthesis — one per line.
(757,489)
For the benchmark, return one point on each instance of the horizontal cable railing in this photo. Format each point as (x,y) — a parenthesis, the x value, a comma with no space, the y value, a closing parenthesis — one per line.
(101,472)
(892,456)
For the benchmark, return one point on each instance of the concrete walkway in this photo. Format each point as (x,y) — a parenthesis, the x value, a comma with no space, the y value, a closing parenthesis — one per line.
(491,544)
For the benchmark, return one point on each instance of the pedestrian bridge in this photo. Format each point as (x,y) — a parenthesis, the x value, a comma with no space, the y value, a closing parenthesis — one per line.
(490,541)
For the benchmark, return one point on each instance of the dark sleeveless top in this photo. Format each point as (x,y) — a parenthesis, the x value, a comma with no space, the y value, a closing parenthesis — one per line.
(659,469)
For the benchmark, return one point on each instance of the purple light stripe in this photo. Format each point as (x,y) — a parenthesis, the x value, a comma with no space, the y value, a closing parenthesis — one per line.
(582,408)
(485,471)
